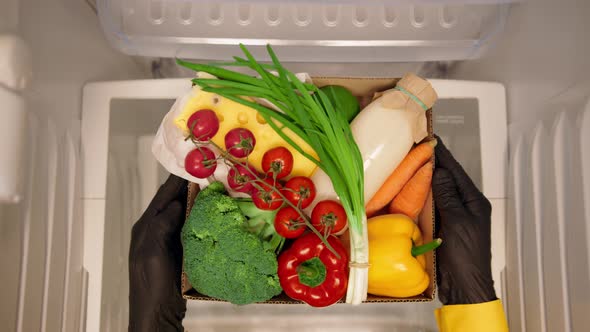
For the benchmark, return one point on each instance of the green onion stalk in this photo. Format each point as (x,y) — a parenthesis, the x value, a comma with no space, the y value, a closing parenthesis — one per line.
(308,112)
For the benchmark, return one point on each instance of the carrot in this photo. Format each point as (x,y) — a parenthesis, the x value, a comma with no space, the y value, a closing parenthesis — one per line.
(411,199)
(400,176)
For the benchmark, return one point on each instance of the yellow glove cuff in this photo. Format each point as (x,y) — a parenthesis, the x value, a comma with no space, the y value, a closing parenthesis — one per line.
(481,317)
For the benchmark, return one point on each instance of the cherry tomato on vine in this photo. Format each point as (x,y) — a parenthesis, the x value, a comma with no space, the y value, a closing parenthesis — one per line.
(239,142)
(203,124)
(265,197)
(328,216)
(200,162)
(288,223)
(277,162)
(300,190)
(240,178)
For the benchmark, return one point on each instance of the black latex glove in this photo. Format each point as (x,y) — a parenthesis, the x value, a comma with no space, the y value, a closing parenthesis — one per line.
(155,262)
(464,271)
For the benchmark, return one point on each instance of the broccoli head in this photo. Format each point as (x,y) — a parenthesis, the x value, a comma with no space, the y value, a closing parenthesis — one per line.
(221,258)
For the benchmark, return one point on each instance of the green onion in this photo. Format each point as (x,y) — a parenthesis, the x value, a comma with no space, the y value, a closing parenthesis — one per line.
(308,112)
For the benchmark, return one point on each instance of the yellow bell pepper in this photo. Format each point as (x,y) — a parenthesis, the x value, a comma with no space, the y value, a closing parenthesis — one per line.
(396,267)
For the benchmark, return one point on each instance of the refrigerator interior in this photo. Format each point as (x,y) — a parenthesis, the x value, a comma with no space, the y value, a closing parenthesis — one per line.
(540,58)
(43,280)
(543,64)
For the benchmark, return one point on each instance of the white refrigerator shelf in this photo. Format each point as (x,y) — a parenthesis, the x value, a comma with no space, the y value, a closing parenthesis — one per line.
(318,31)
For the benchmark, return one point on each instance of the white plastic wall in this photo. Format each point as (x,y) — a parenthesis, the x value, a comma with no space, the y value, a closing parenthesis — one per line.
(133,177)
(543,62)
(41,237)
(9,15)
(542,53)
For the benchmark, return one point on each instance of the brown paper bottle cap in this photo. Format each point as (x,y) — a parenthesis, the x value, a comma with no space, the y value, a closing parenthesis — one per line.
(420,88)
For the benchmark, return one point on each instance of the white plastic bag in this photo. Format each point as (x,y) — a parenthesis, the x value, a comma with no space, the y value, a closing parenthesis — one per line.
(170,147)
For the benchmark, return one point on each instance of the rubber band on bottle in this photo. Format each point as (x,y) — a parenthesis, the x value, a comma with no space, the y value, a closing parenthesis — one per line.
(412,96)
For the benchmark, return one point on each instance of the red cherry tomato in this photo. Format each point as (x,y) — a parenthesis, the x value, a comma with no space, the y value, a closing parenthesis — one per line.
(265,197)
(300,191)
(203,124)
(278,162)
(200,162)
(328,216)
(288,223)
(239,142)
(240,178)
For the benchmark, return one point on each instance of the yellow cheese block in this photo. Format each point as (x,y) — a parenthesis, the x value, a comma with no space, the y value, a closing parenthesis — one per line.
(234,115)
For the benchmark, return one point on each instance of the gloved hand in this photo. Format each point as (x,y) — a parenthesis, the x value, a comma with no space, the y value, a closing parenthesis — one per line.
(155,262)
(464,259)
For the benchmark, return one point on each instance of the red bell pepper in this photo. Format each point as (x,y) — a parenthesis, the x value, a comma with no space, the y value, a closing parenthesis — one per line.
(310,272)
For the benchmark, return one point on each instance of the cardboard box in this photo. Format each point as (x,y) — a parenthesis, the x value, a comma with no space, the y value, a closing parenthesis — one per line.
(364,88)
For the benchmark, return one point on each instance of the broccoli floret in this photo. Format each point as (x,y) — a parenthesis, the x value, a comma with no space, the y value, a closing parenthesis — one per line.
(221,258)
